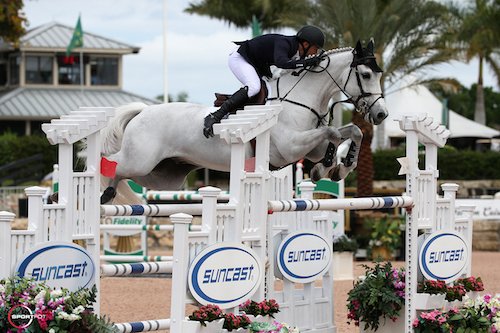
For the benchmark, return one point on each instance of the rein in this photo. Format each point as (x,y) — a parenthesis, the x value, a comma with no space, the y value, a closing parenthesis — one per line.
(363,108)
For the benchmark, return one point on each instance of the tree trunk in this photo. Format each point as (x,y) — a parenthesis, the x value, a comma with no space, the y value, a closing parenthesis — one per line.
(364,169)
(479,111)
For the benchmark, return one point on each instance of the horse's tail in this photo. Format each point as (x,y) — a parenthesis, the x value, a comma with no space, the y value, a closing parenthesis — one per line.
(112,135)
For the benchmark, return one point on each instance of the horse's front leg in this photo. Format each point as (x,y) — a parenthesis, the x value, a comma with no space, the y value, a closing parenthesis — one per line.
(333,169)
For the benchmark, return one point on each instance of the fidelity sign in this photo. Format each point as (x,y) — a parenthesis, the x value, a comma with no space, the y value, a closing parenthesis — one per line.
(444,256)
(304,256)
(59,265)
(225,274)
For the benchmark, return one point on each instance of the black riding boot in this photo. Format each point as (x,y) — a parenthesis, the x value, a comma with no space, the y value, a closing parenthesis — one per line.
(237,100)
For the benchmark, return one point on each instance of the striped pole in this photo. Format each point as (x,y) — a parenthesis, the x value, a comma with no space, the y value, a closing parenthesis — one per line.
(141,268)
(144,326)
(150,210)
(150,227)
(135,258)
(180,196)
(335,204)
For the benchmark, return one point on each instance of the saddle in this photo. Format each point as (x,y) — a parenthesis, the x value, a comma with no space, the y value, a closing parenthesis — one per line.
(259,99)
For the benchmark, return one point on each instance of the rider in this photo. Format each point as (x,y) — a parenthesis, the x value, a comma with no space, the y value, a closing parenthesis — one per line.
(253,59)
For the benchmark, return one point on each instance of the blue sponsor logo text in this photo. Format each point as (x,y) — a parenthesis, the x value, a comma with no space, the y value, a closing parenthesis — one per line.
(446,256)
(59,272)
(306,255)
(228,274)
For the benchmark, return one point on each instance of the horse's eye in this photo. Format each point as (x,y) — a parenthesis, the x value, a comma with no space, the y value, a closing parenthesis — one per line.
(366,76)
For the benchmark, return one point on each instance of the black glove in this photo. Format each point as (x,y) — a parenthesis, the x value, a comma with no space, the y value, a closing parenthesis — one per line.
(313,61)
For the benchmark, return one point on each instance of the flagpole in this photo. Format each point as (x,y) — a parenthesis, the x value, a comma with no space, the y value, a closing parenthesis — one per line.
(81,77)
(165,76)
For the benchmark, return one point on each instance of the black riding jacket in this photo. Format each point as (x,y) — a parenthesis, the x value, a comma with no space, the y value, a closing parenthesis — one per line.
(271,49)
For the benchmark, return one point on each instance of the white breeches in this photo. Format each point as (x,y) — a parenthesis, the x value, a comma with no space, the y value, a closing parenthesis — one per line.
(244,72)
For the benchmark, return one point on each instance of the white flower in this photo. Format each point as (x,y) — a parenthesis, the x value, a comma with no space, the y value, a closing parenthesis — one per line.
(52,331)
(69,317)
(2,288)
(40,295)
(56,293)
(79,309)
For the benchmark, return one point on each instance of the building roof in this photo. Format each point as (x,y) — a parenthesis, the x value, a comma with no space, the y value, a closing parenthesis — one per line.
(56,37)
(48,103)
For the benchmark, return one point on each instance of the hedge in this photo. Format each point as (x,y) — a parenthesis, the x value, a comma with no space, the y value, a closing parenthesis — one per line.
(453,164)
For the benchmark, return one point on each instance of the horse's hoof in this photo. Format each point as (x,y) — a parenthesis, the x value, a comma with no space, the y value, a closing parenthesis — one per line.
(315,174)
(108,195)
(335,174)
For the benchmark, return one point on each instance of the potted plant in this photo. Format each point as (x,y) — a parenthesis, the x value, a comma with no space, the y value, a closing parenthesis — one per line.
(343,257)
(480,315)
(237,323)
(431,295)
(275,327)
(385,236)
(260,312)
(208,318)
(376,301)
(472,286)
(54,310)
(454,295)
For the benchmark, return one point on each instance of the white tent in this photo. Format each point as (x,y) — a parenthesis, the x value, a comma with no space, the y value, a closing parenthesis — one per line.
(418,99)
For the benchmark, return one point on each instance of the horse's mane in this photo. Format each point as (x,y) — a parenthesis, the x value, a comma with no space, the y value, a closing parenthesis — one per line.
(279,72)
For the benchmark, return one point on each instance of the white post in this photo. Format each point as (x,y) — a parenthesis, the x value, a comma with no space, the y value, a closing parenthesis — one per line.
(181,223)
(65,196)
(6,218)
(411,229)
(35,211)
(209,211)
(450,192)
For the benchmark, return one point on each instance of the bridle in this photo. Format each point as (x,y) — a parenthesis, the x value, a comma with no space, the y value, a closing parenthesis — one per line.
(359,103)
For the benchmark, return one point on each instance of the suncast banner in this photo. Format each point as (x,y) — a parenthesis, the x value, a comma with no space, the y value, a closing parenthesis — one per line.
(444,256)
(304,256)
(59,265)
(225,274)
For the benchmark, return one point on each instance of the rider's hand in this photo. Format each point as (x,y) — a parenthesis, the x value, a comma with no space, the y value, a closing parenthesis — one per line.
(313,61)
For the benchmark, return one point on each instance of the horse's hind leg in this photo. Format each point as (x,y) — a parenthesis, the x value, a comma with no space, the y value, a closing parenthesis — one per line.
(110,191)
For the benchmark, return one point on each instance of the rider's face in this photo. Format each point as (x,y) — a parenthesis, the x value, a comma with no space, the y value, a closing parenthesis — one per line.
(311,49)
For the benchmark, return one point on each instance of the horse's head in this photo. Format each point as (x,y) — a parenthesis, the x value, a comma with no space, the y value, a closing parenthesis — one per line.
(362,85)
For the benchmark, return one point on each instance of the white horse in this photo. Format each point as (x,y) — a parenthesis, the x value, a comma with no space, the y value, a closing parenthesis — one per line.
(158,145)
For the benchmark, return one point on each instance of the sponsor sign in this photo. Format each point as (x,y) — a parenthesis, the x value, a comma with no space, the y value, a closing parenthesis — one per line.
(124,220)
(59,265)
(225,274)
(484,209)
(443,256)
(304,256)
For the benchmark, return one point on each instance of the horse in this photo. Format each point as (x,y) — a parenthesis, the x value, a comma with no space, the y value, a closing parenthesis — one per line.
(158,145)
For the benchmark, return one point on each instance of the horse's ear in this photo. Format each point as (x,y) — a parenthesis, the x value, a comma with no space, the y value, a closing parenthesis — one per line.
(359,48)
(370,46)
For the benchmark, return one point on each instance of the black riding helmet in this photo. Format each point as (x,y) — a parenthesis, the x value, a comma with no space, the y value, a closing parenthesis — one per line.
(312,34)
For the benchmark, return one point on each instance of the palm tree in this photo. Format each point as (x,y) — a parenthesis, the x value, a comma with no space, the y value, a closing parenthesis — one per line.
(479,37)
(409,36)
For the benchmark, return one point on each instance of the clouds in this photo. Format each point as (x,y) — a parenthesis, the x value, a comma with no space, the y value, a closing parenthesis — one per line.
(197,46)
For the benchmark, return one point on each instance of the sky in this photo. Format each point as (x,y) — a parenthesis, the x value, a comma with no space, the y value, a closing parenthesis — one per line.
(197,46)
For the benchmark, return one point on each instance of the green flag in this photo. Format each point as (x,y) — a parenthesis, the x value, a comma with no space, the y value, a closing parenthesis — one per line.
(77,39)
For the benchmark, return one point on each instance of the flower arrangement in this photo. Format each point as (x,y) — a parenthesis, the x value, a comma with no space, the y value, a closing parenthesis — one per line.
(432,287)
(379,295)
(481,315)
(344,244)
(455,293)
(206,314)
(470,283)
(275,327)
(264,308)
(385,232)
(233,322)
(52,310)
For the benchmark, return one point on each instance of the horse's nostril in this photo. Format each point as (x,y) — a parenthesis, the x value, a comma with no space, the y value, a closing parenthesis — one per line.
(381,115)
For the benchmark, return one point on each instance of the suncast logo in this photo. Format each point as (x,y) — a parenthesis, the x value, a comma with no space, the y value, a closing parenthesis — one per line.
(226,274)
(59,265)
(304,256)
(443,256)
